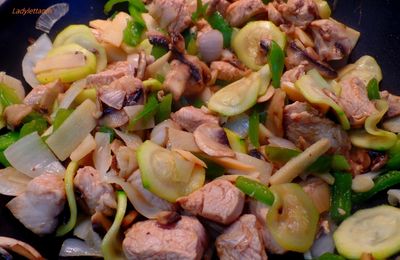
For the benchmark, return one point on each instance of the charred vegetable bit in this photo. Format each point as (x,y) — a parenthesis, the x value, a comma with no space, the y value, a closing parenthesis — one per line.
(111,246)
(341,196)
(69,188)
(276,58)
(218,22)
(254,122)
(255,190)
(382,182)
(373,89)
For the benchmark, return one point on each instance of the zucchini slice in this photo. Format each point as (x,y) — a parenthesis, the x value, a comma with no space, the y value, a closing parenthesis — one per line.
(246,42)
(167,174)
(375,231)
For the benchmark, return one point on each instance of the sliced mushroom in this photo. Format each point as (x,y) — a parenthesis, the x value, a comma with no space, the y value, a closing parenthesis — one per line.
(212,140)
(20,248)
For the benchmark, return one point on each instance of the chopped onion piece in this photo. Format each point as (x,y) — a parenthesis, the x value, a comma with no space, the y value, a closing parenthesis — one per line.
(145,207)
(87,146)
(50,16)
(32,157)
(131,140)
(19,247)
(36,52)
(84,231)
(102,154)
(393,197)
(70,95)
(73,131)
(12,182)
(75,247)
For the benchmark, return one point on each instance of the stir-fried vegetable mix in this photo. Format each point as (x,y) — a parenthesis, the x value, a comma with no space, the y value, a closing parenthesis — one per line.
(176,129)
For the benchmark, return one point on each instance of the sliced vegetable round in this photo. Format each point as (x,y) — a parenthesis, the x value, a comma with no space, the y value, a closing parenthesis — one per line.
(67,75)
(375,230)
(237,97)
(293,218)
(167,174)
(246,42)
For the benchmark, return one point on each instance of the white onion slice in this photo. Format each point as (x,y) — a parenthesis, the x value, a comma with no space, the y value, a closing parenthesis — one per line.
(131,140)
(73,131)
(84,231)
(13,182)
(148,208)
(32,157)
(74,247)
(50,16)
(35,52)
(102,154)
(72,93)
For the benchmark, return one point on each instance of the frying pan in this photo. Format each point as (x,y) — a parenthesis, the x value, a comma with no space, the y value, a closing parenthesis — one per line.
(378,22)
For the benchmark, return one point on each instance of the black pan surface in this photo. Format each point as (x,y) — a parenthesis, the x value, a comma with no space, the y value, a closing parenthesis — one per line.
(378,22)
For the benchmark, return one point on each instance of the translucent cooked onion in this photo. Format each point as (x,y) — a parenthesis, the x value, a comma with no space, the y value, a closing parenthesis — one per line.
(35,52)
(32,157)
(102,154)
(12,182)
(75,247)
(131,140)
(72,93)
(50,16)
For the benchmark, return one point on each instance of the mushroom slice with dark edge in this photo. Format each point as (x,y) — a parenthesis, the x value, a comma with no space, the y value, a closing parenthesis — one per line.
(20,248)
(212,140)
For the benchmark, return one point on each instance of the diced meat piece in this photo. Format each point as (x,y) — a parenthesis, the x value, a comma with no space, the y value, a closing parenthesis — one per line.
(174,15)
(239,12)
(14,114)
(219,201)
(292,75)
(274,15)
(394,103)
(42,97)
(38,207)
(200,75)
(184,240)
(297,54)
(333,40)
(136,181)
(260,210)
(98,196)
(378,160)
(304,126)
(242,240)
(359,160)
(217,6)
(355,102)
(227,71)
(189,118)
(113,72)
(119,92)
(177,78)
(298,12)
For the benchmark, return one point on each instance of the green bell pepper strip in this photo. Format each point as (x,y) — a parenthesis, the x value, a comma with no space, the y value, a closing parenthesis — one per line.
(341,196)
(111,246)
(393,163)
(340,163)
(382,182)
(61,115)
(5,141)
(108,130)
(36,125)
(255,190)
(276,59)
(158,51)
(133,33)
(217,21)
(69,189)
(254,122)
(148,111)
(164,108)
(373,89)
(200,11)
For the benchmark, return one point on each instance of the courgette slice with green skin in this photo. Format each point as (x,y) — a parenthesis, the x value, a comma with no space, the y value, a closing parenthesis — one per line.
(72,74)
(237,97)
(82,35)
(374,230)
(162,173)
(246,42)
(235,142)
